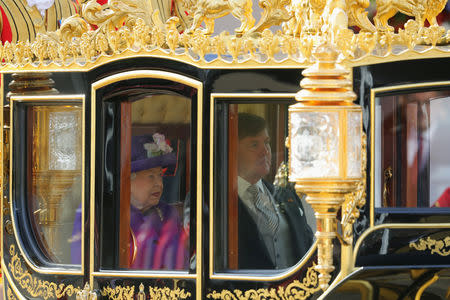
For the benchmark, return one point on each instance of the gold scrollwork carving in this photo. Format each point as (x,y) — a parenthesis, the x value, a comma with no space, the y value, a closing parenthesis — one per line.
(295,290)
(155,293)
(440,247)
(164,293)
(119,292)
(139,26)
(36,287)
(10,294)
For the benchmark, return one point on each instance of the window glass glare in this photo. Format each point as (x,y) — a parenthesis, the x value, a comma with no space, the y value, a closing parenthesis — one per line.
(259,220)
(159,175)
(55,152)
(411,132)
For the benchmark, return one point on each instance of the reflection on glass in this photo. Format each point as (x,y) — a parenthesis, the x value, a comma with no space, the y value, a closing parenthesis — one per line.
(55,148)
(159,173)
(354,144)
(316,155)
(258,224)
(411,149)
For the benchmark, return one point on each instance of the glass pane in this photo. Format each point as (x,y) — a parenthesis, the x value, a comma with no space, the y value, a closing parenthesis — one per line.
(158,182)
(56,160)
(316,129)
(259,220)
(412,142)
(354,144)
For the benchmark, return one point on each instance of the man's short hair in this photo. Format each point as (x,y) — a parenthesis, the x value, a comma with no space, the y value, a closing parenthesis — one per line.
(250,125)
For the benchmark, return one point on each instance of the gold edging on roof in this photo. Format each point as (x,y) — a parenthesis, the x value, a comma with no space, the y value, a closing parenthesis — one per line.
(130,28)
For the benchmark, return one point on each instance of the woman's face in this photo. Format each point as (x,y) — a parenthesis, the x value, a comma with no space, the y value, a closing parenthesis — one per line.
(146,188)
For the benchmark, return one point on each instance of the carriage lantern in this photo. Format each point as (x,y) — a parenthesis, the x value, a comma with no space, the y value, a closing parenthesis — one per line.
(325,138)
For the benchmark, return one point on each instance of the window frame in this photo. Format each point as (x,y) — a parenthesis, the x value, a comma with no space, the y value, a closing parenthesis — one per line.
(244,275)
(45,267)
(387,91)
(95,270)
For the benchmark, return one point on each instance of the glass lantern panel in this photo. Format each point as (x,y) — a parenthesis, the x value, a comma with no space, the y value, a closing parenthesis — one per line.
(315,142)
(354,144)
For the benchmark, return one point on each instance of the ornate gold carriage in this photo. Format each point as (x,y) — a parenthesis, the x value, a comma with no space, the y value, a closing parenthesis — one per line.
(364,138)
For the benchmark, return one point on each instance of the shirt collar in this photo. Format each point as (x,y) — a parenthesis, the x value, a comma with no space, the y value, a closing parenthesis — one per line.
(244,184)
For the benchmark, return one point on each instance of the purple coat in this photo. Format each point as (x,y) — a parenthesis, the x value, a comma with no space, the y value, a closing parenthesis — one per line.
(161,241)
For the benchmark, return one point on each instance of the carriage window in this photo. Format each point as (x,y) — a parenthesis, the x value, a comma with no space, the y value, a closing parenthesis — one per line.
(146,181)
(260,222)
(52,152)
(412,142)
(159,182)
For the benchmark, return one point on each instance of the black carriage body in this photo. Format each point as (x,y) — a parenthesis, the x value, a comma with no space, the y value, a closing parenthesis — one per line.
(385,264)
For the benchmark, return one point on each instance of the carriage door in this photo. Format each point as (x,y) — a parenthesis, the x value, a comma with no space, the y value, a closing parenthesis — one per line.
(145,185)
(43,189)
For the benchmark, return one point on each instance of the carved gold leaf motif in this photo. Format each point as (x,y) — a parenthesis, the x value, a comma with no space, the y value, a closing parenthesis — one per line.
(440,247)
(158,293)
(10,294)
(294,290)
(118,292)
(131,25)
(37,287)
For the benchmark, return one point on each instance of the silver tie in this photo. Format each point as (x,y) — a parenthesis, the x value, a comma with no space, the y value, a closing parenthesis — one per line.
(268,217)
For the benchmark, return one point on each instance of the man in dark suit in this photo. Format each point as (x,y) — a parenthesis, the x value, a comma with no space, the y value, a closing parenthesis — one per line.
(273,232)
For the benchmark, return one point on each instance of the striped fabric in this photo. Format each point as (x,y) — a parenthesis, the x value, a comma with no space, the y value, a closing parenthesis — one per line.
(268,219)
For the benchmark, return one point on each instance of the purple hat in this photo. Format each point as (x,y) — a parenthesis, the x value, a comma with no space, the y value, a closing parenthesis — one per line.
(151,151)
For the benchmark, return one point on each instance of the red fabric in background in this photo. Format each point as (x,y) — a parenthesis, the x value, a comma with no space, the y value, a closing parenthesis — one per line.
(6,31)
(444,199)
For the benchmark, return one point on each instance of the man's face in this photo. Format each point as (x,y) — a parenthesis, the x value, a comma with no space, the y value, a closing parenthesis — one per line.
(146,188)
(254,157)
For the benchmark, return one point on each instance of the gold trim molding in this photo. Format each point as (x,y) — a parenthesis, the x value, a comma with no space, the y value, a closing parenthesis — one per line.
(294,290)
(36,287)
(118,292)
(167,293)
(122,26)
(10,294)
(440,247)
(156,293)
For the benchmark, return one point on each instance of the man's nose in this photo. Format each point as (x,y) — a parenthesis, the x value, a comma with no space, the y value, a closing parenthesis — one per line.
(265,149)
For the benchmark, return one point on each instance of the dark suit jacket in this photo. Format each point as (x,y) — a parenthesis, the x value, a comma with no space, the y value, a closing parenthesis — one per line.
(252,253)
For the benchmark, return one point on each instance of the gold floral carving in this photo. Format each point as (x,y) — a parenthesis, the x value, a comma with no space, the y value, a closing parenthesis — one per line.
(164,293)
(440,247)
(10,294)
(295,290)
(35,287)
(134,27)
(155,293)
(119,292)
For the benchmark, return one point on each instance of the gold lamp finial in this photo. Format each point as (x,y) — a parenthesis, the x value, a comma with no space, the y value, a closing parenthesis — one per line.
(325,134)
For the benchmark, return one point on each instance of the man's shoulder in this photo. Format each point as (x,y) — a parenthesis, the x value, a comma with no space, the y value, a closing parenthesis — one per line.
(281,193)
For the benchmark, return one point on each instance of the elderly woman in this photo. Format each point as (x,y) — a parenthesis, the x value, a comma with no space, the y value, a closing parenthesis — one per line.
(156,227)
(158,239)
